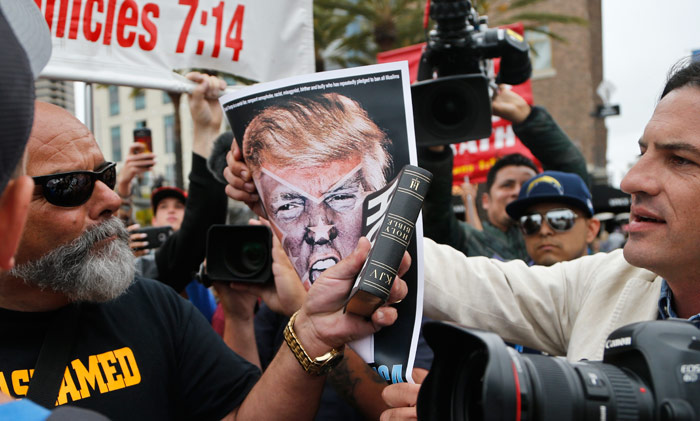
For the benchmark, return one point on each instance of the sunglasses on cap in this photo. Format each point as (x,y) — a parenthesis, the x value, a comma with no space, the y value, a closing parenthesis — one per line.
(68,189)
(560,220)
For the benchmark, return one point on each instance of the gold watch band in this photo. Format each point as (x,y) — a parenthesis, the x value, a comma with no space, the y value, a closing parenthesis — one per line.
(316,366)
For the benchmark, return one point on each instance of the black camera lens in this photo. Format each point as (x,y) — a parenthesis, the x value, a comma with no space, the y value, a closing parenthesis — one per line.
(450,109)
(239,253)
(251,260)
(644,376)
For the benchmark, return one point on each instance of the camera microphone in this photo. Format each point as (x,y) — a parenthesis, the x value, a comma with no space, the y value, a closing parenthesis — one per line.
(217,159)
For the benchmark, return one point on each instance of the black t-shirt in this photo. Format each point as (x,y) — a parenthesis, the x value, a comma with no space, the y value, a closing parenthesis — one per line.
(149,354)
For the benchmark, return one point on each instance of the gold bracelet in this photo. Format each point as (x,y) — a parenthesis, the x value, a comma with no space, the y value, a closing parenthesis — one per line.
(316,366)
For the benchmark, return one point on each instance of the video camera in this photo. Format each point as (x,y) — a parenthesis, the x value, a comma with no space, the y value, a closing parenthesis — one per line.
(650,371)
(237,253)
(451,100)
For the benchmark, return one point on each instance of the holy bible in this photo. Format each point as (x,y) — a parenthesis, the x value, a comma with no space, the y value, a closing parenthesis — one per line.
(407,192)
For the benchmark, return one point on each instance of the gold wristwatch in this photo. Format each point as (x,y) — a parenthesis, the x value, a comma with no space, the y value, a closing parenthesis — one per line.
(316,366)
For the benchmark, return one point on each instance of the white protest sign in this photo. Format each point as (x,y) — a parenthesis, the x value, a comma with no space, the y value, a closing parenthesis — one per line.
(140,42)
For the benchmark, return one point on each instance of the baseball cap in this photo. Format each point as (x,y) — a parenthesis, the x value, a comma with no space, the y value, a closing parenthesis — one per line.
(161,193)
(552,186)
(25,48)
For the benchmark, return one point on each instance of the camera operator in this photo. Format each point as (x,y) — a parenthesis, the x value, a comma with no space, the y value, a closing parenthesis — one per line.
(570,308)
(500,237)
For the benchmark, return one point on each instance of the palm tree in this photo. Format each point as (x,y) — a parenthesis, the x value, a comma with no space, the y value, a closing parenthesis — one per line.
(380,25)
(504,12)
(387,24)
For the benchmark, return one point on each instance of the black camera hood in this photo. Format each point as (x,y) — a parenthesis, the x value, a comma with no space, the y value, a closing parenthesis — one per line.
(478,353)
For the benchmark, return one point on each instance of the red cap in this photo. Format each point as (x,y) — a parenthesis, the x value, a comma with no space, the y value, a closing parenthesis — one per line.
(164,192)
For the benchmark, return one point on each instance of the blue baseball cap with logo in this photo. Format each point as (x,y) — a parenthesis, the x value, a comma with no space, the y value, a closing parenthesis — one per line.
(552,186)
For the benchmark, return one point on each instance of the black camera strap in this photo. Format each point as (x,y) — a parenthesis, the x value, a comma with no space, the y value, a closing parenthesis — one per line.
(53,357)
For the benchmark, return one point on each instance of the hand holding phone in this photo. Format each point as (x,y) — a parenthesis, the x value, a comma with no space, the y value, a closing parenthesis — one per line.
(154,237)
(143,135)
(136,163)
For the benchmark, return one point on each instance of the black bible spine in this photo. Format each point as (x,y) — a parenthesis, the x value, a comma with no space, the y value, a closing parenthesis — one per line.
(373,284)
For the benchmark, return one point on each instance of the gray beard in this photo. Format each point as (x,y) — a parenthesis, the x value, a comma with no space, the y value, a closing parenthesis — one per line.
(81,273)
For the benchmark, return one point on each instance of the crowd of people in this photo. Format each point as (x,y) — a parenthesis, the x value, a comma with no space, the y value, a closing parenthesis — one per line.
(98,323)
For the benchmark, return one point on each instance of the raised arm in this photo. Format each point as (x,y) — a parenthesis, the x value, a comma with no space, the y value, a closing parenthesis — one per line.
(536,128)
(183,252)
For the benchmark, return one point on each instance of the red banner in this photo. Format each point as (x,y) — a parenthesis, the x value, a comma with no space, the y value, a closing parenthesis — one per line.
(474,158)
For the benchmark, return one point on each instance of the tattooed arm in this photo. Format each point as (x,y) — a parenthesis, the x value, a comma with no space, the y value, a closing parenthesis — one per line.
(359,385)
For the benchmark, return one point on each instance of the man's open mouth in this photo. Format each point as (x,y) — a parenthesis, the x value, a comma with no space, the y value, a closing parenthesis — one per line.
(319,266)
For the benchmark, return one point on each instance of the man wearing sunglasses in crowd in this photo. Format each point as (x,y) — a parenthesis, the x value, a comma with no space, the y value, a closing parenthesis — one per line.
(138,348)
(554,212)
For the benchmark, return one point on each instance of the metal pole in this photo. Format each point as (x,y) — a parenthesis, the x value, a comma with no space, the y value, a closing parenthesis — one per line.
(89,116)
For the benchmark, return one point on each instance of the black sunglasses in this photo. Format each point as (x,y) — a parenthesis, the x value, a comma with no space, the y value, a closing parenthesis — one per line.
(559,219)
(74,188)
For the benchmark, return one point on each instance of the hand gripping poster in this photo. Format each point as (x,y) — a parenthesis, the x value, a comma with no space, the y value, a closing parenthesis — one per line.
(318,146)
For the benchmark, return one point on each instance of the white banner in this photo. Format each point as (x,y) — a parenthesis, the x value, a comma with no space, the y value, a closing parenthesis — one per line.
(139,42)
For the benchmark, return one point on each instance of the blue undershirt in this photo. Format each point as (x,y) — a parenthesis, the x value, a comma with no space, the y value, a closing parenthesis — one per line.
(666,310)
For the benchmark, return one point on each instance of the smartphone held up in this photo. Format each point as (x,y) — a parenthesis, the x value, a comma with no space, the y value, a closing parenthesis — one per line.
(143,135)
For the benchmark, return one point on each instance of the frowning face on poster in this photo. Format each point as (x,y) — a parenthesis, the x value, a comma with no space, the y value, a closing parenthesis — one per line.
(316,212)
(314,160)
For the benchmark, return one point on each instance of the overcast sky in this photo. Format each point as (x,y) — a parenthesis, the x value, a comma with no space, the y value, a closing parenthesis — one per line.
(642,39)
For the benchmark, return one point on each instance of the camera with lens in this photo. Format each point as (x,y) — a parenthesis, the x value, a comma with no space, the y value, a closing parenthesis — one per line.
(650,371)
(237,253)
(451,100)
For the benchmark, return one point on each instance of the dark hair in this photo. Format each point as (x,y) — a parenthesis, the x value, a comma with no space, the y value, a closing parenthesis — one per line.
(684,73)
(511,160)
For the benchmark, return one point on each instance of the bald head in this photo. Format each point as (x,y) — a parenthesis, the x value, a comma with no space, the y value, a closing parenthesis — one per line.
(60,142)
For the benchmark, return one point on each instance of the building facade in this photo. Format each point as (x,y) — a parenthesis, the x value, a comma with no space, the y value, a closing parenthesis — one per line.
(567,74)
(118,110)
(57,92)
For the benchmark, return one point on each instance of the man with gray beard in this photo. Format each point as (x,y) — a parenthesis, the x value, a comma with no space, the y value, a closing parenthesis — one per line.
(80,273)
(140,349)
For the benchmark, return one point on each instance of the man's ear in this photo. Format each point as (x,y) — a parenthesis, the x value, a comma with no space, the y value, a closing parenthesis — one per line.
(593,226)
(14,205)
(485,200)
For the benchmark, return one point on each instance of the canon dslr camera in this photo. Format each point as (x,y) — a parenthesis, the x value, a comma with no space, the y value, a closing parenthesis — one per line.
(650,371)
